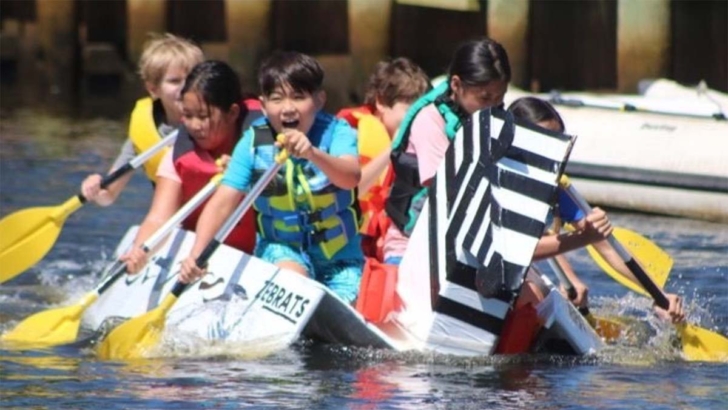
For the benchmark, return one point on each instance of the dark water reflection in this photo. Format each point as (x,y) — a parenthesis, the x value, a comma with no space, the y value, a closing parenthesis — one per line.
(44,157)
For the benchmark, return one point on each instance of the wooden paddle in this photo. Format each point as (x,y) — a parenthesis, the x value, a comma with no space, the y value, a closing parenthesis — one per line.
(29,234)
(698,344)
(135,337)
(57,326)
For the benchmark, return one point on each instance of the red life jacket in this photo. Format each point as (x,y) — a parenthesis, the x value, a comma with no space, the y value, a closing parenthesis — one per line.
(352,114)
(195,167)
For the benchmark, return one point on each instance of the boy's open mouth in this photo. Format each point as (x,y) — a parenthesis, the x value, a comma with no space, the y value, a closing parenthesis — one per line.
(289,123)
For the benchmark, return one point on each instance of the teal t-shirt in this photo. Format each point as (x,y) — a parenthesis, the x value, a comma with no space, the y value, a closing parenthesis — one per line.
(344,142)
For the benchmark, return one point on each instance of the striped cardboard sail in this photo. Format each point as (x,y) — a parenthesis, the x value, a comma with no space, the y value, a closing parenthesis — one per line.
(487,208)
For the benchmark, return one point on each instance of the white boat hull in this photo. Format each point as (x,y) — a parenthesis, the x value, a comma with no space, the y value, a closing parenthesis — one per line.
(464,267)
(244,299)
(668,164)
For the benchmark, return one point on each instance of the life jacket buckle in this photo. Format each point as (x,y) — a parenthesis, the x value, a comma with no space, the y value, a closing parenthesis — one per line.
(314,237)
(307,218)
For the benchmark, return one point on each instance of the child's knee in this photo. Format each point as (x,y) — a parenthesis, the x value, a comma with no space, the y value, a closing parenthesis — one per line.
(530,293)
(293,266)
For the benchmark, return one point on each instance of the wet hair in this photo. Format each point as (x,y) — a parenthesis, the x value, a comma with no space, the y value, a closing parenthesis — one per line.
(302,72)
(398,80)
(218,85)
(535,110)
(164,50)
(478,62)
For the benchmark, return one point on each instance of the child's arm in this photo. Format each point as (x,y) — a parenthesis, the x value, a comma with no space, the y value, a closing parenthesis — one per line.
(595,227)
(343,170)
(675,312)
(372,171)
(579,287)
(167,200)
(218,209)
(91,186)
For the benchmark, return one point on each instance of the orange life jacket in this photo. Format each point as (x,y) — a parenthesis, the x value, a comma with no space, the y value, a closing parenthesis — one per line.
(377,293)
(373,139)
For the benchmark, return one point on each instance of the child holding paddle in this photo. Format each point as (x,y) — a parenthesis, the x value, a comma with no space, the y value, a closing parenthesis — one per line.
(214,115)
(308,217)
(163,66)
(543,114)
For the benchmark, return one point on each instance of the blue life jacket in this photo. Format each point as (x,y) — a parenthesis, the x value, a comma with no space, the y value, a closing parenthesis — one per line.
(301,206)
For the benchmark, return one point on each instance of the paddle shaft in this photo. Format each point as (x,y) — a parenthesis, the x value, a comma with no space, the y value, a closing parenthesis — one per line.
(135,162)
(631,263)
(233,219)
(119,268)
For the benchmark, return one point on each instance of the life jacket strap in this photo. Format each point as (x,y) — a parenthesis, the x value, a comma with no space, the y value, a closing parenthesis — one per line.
(305,238)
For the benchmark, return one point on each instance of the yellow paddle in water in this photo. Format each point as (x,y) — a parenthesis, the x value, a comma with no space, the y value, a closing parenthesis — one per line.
(697,343)
(57,326)
(607,329)
(27,235)
(135,337)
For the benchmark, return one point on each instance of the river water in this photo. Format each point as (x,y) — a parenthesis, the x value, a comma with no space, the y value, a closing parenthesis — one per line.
(44,157)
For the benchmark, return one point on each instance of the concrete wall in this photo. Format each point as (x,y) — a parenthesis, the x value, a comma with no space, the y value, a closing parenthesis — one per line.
(645,47)
(144,17)
(57,33)
(643,41)
(369,22)
(248,37)
(508,24)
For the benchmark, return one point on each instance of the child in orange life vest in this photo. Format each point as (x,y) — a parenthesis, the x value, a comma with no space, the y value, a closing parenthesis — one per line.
(164,64)
(214,115)
(392,88)
(543,114)
(308,215)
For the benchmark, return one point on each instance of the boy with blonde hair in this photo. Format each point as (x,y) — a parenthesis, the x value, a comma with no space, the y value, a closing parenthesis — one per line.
(163,66)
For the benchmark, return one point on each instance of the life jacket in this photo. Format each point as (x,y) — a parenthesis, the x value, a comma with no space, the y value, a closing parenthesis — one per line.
(144,134)
(407,195)
(373,139)
(352,115)
(300,206)
(195,172)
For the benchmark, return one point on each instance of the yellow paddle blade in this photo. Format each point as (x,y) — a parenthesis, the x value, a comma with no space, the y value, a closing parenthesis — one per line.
(655,261)
(18,225)
(608,329)
(51,327)
(702,345)
(134,338)
(26,236)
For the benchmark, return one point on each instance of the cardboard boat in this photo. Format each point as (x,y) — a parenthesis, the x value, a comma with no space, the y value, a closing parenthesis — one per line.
(467,259)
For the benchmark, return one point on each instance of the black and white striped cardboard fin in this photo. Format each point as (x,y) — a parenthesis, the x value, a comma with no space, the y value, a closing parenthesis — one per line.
(487,208)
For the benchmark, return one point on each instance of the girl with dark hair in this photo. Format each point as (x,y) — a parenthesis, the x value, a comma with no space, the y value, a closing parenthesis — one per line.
(477,79)
(214,116)
(543,114)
